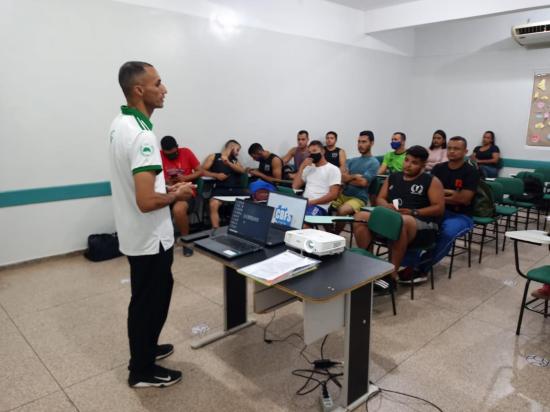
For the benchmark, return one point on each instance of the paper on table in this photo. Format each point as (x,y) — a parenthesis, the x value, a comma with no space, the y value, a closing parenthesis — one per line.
(279,267)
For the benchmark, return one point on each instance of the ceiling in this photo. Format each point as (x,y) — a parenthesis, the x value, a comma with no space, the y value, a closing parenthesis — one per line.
(370,4)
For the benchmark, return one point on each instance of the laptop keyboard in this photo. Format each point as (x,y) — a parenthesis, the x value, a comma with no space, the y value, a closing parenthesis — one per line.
(236,243)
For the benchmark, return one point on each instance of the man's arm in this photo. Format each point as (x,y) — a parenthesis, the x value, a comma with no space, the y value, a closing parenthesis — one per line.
(382,169)
(206,169)
(381,199)
(459,197)
(277,170)
(332,194)
(493,161)
(148,200)
(192,176)
(289,155)
(343,159)
(298,182)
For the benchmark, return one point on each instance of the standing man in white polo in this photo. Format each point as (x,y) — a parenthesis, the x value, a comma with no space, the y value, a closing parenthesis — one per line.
(142,216)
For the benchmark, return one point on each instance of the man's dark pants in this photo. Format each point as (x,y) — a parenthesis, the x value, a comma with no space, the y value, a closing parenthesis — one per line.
(152,282)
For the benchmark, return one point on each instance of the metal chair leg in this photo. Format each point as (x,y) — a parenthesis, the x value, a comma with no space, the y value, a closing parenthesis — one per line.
(506,226)
(522,306)
(470,249)
(392,295)
(527,218)
(482,242)
(432,277)
(495,231)
(452,260)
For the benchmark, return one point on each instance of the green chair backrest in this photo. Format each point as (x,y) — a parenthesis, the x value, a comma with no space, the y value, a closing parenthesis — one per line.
(244,180)
(200,186)
(545,172)
(538,175)
(386,223)
(511,185)
(497,189)
(374,186)
(285,190)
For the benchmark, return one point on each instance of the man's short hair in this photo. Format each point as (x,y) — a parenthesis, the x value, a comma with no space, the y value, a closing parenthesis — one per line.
(459,139)
(367,133)
(403,136)
(128,73)
(333,133)
(304,132)
(255,148)
(316,143)
(419,152)
(231,141)
(168,143)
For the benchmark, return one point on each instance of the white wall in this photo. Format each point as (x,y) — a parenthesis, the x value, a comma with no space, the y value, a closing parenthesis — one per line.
(60,62)
(471,76)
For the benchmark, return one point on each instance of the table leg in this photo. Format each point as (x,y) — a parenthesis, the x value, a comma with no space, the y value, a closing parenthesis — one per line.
(234,305)
(356,387)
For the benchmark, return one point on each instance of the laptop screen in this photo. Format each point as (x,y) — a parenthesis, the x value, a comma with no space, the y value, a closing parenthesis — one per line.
(289,210)
(250,220)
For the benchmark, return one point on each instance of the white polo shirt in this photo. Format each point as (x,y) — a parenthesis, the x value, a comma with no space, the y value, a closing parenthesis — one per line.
(133,149)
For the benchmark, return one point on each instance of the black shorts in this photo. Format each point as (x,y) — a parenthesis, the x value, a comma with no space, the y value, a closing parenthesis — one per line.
(230,191)
(426,234)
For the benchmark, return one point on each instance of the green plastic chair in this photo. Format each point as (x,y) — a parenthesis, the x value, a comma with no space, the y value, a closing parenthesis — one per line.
(387,224)
(380,282)
(506,212)
(541,178)
(285,190)
(514,187)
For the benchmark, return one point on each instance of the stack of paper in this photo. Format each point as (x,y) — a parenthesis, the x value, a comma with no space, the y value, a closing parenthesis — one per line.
(280,267)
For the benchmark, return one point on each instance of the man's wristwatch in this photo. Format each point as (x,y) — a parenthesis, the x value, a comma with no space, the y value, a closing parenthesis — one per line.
(414,212)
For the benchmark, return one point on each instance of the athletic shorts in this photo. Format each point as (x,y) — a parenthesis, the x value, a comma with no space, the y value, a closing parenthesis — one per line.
(354,202)
(426,234)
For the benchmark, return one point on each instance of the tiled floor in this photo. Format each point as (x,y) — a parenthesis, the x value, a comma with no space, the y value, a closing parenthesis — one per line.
(63,344)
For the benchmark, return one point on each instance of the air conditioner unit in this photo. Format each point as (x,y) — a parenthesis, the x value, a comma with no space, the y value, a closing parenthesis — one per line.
(532,33)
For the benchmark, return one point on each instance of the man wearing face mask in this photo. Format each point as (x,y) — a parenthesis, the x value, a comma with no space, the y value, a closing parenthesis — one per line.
(393,161)
(180,165)
(321,179)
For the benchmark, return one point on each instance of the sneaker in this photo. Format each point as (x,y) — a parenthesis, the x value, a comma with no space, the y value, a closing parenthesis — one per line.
(163,351)
(187,251)
(542,293)
(159,378)
(409,275)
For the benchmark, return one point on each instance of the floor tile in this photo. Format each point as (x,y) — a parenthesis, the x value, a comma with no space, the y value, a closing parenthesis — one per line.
(57,402)
(23,378)
(43,285)
(82,339)
(477,367)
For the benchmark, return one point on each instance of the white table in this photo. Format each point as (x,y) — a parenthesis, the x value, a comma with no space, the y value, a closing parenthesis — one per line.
(230,199)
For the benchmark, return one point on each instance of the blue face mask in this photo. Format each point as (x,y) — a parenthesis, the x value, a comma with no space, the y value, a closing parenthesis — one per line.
(395,145)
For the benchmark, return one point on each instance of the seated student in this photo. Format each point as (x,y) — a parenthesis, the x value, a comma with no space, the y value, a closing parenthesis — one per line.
(333,154)
(226,169)
(322,180)
(393,160)
(460,179)
(180,165)
(298,153)
(270,168)
(356,179)
(487,155)
(438,150)
(421,204)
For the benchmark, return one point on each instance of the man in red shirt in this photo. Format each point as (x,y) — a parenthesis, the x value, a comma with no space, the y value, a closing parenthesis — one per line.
(180,165)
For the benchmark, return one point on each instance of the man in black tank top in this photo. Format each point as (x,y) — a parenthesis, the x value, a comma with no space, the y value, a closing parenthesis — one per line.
(226,171)
(270,168)
(333,154)
(418,197)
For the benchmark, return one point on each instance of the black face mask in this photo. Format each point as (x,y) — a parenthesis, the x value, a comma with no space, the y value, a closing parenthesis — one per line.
(316,157)
(172,156)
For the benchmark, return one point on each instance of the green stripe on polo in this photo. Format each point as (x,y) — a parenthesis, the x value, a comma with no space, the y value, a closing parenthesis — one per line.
(142,120)
(155,168)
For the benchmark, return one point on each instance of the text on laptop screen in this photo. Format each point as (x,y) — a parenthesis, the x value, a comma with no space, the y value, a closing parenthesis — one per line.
(289,210)
(250,220)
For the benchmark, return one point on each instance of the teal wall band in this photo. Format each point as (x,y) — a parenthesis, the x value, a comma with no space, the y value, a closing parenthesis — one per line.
(98,189)
(54,194)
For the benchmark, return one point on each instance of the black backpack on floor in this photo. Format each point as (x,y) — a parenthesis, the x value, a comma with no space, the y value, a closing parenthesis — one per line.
(102,247)
(533,188)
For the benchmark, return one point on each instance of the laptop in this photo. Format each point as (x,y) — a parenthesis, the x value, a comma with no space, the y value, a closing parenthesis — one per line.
(247,231)
(289,215)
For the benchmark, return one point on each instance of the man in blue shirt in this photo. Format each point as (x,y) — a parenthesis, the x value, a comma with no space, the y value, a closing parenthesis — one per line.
(360,171)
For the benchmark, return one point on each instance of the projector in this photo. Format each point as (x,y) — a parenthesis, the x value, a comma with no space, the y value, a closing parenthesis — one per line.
(316,242)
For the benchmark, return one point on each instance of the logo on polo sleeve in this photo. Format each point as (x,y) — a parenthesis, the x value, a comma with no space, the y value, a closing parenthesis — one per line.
(146,149)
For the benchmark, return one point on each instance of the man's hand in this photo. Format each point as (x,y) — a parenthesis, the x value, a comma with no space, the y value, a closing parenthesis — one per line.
(448,192)
(183,191)
(308,161)
(404,211)
(254,172)
(221,176)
